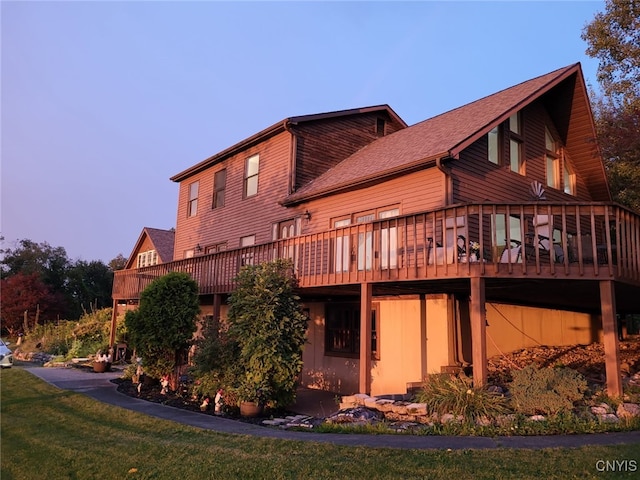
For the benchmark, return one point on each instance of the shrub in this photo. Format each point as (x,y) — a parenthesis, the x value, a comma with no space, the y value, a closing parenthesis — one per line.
(266,321)
(546,390)
(164,322)
(444,393)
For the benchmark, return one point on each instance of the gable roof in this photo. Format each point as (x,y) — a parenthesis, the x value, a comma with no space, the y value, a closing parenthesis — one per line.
(162,241)
(276,128)
(446,135)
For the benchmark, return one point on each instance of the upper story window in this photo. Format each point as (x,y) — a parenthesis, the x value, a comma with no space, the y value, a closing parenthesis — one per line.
(147,258)
(192,209)
(493,147)
(252,168)
(219,186)
(516,156)
(552,160)
(569,179)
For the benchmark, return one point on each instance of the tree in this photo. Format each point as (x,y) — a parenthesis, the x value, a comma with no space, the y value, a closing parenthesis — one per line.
(619,139)
(29,257)
(118,263)
(266,320)
(613,38)
(89,284)
(164,322)
(23,293)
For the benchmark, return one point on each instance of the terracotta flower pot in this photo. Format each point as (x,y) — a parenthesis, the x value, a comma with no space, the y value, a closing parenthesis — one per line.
(101,367)
(250,409)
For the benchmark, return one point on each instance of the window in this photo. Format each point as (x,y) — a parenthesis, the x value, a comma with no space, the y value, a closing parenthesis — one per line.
(493,146)
(219,184)
(388,239)
(218,247)
(552,161)
(189,253)
(251,176)
(553,171)
(342,330)
(342,249)
(192,209)
(569,179)
(503,230)
(147,258)
(247,257)
(516,163)
(365,242)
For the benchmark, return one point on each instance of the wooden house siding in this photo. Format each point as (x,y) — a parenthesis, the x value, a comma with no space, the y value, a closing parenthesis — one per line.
(476,179)
(322,144)
(415,192)
(240,216)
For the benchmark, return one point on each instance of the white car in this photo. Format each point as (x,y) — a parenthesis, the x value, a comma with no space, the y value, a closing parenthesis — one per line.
(6,357)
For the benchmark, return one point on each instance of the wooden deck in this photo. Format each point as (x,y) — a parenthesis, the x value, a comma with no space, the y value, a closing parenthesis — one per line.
(584,242)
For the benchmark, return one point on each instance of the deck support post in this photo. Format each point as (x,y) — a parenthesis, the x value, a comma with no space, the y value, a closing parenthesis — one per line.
(114,324)
(478,317)
(610,338)
(366,290)
(217,301)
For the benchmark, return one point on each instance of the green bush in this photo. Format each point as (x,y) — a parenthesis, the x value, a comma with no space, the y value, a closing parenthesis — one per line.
(546,390)
(267,323)
(444,393)
(164,322)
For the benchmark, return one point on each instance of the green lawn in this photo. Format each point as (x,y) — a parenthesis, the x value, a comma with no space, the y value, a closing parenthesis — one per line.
(54,434)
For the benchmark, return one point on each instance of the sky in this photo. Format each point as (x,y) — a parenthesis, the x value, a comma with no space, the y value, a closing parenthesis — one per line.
(102,102)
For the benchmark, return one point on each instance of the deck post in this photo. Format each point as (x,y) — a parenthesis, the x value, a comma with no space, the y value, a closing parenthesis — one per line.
(478,317)
(114,326)
(610,338)
(217,301)
(366,290)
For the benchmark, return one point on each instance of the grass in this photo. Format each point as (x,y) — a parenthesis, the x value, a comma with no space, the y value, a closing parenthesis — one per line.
(55,434)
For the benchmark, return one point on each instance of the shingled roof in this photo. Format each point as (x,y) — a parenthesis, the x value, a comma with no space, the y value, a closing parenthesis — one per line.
(162,240)
(443,136)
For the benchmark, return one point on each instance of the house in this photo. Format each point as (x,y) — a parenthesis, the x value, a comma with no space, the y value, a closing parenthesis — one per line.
(424,248)
(154,247)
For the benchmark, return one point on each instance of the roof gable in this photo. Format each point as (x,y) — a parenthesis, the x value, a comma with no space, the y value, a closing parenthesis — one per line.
(443,136)
(162,240)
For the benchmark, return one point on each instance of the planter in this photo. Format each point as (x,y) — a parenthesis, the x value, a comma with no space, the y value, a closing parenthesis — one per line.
(250,409)
(101,367)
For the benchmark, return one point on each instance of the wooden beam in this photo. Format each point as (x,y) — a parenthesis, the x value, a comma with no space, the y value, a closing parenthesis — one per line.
(366,290)
(478,317)
(217,301)
(610,338)
(114,324)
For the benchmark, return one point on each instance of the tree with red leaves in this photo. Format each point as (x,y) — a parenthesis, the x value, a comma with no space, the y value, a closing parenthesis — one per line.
(25,293)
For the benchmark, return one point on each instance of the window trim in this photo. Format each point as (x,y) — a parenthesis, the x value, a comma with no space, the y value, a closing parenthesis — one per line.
(249,177)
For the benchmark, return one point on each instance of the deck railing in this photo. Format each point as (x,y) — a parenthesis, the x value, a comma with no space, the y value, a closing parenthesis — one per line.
(586,240)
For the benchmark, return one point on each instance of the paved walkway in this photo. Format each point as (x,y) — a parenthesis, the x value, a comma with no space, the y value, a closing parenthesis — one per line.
(99,387)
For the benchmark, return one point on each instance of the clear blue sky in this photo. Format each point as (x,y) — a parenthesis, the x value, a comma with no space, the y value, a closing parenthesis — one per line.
(103,101)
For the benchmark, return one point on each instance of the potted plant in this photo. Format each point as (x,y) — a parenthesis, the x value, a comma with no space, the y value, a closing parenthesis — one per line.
(252,397)
(102,362)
